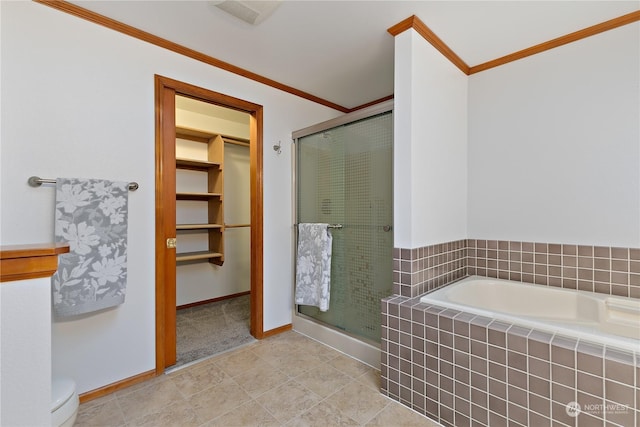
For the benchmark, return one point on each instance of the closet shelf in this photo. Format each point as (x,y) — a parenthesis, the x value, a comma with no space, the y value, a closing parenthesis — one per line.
(195,256)
(199,165)
(211,169)
(197,226)
(197,196)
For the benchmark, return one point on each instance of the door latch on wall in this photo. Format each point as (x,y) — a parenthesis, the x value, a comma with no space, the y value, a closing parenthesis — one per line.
(171,243)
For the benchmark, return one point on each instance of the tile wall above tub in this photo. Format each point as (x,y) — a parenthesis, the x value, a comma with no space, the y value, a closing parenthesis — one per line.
(419,270)
(608,270)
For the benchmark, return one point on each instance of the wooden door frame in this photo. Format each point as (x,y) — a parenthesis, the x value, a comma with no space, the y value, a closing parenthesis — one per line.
(165,91)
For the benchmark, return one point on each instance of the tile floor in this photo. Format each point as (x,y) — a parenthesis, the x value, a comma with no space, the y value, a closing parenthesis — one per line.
(208,329)
(284,380)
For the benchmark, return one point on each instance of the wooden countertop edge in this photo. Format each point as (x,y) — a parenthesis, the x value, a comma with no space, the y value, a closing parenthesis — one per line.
(30,261)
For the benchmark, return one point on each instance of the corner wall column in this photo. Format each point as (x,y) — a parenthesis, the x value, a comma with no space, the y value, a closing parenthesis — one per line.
(25,333)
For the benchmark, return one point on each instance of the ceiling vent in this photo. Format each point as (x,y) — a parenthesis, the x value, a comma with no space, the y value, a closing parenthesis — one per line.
(253,12)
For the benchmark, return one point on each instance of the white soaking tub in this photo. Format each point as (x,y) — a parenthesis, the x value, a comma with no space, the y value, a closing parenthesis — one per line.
(606,319)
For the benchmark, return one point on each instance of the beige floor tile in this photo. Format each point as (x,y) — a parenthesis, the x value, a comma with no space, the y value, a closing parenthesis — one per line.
(371,378)
(290,338)
(218,400)
(358,401)
(323,380)
(349,366)
(99,401)
(288,401)
(177,414)
(322,415)
(274,352)
(133,388)
(261,379)
(196,378)
(238,362)
(322,351)
(149,399)
(398,415)
(297,361)
(106,414)
(249,414)
(281,380)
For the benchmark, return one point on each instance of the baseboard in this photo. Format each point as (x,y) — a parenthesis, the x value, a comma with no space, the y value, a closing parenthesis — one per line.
(277,331)
(111,388)
(208,301)
(127,382)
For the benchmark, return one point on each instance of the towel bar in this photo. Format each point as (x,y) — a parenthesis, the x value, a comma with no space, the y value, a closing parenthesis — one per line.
(328,226)
(36,181)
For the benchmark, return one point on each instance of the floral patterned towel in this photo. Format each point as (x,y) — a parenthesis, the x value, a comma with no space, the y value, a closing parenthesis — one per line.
(91,215)
(313,265)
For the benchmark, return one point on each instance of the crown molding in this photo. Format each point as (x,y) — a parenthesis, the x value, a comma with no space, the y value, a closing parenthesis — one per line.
(416,24)
(426,33)
(411,22)
(104,21)
(369,104)
(560,41)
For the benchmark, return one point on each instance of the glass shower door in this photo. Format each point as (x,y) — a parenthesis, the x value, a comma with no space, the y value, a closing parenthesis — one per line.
(344,176)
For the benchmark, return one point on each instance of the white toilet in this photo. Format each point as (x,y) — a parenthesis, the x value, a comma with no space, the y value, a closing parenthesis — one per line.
(64,402)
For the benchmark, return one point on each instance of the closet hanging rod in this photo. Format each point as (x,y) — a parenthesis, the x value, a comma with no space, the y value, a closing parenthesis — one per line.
(36,181)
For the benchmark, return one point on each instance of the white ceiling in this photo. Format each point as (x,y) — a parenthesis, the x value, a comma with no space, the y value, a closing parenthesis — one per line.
(340,50)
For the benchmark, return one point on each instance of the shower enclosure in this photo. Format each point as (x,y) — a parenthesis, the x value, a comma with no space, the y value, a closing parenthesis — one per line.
(344,177)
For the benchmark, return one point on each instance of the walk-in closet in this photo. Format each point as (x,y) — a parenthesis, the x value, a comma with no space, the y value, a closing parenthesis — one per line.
(212,228)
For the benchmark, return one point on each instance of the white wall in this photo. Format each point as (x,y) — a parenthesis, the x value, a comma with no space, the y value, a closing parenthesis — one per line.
(25,341)
(79,102)
(402,142)
(554,145)
(430,145)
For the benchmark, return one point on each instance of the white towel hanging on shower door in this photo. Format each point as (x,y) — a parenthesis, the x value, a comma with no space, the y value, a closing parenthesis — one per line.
(313,265)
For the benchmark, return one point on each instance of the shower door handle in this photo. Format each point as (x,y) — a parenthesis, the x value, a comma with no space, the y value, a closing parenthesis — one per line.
(386,228)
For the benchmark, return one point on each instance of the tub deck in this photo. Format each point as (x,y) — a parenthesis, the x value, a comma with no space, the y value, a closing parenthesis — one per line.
(605,319)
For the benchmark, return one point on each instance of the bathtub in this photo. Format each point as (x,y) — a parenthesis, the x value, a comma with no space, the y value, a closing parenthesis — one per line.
(609,320)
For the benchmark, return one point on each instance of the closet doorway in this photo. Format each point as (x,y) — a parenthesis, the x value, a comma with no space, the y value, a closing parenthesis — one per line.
(192,270)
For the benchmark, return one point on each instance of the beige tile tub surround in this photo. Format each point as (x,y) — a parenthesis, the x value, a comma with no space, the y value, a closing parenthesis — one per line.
(462,369)
(608,270)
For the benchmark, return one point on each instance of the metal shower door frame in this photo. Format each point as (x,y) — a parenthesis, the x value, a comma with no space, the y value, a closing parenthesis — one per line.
(374,110)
